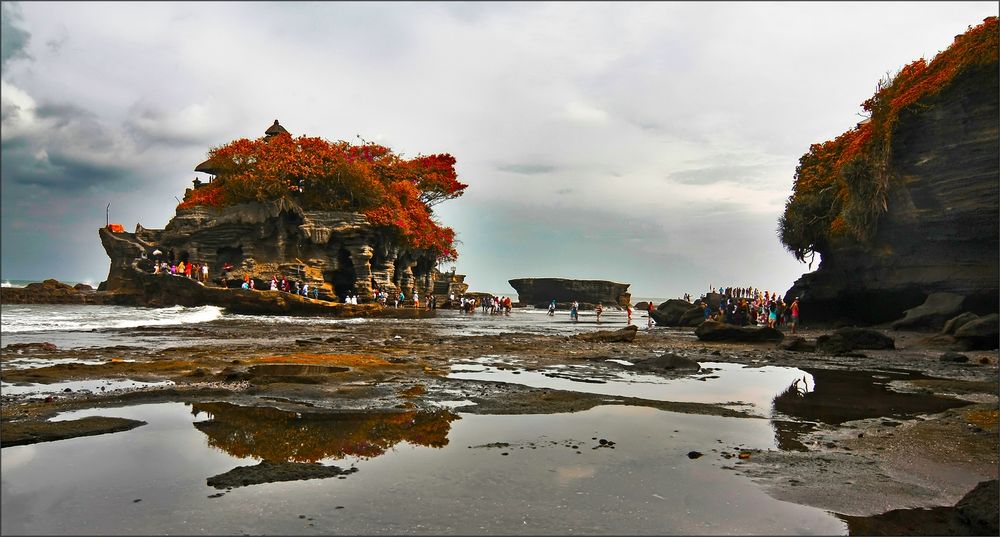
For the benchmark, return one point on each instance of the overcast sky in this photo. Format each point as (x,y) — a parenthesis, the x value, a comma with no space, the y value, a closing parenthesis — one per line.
(647,143)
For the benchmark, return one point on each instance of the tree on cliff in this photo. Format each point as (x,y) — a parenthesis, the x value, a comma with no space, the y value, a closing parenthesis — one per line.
(393,193)
(841,186)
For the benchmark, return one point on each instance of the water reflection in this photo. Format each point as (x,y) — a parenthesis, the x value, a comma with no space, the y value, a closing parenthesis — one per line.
(837,396)
(277,435)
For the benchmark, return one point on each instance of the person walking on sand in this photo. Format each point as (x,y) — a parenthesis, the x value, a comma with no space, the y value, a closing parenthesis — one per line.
(795,314)
(599,310)
(552,308)
(573,311)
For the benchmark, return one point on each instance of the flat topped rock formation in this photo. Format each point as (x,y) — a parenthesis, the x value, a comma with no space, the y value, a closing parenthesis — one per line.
(939,233)
(539,292)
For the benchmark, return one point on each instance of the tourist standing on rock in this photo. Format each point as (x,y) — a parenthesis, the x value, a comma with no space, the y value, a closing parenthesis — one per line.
(772,316)
(795,314)
(416,299)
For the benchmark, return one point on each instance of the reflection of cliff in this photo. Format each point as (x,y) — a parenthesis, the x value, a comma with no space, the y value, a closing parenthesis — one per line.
(277,435)
(839,396)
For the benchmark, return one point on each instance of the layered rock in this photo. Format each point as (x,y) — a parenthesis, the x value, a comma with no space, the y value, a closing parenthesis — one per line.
(539,292)
(338,253)
(939,233)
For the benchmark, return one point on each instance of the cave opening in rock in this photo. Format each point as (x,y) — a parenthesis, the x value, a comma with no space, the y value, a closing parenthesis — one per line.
(343,277)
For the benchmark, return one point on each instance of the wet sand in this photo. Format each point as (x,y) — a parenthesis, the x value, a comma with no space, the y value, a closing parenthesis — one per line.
(924,438)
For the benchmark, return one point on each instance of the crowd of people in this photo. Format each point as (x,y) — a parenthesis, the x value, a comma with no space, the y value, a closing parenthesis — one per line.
(744,306)
(192,270)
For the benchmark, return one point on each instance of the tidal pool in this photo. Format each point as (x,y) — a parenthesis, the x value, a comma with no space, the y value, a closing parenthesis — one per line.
(753,388)
(416,473)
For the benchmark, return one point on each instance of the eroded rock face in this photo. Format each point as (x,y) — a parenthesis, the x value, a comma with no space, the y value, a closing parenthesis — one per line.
(540,291)
(338,253)
(940,231)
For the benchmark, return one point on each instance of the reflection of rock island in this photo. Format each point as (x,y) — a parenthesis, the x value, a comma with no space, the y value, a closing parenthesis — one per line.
(281,436)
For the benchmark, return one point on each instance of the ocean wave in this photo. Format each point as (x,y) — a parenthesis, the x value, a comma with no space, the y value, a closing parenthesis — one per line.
(85,318)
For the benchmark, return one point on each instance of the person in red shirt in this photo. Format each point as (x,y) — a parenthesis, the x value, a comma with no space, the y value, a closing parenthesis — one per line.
(795,314)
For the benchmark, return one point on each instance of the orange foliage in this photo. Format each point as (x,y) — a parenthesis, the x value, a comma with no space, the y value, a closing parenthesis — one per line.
(868,146)
(394,193)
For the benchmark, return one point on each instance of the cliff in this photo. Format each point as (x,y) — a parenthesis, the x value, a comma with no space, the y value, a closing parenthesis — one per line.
(939,229)
(338,253)
(539,292)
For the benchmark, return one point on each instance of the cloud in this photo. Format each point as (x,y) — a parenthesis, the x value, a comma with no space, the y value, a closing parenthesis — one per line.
(13,40)
(59,146)
(718,174)
(527,168)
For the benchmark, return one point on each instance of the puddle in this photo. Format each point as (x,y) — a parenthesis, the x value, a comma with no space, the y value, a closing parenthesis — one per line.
(91,386)
(403,473)
(717,382)
(837,395)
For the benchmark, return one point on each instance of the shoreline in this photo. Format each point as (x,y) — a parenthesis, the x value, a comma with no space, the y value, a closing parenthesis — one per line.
(382,372)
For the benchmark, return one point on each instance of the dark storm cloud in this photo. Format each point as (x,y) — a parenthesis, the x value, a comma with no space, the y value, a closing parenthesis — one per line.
(527,169)
(13,40)
(21,164)
(60,146)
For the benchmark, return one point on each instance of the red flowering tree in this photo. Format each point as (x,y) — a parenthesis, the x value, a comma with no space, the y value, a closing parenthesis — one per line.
(841,186)
(393,193)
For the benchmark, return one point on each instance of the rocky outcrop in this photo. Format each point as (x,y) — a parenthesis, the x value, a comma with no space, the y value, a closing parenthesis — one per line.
(939,233)
(716,331)
(670,312)
(539,292)
(981,333)
(623,335)
(933,313)
(667,362)
(51,292)
(850,339)
(337,253)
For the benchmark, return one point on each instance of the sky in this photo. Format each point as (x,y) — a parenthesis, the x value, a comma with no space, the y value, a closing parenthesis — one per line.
(646,143)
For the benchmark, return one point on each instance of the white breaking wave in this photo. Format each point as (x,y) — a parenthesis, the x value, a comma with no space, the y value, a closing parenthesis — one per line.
(41,319)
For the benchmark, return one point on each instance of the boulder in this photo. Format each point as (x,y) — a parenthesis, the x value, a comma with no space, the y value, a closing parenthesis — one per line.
(716,331)
(954,357)
(692,317)
(933,313)
(624,335)
(978,509)
(982,333)
(956,322)
(797,344)
(849,339)
(667,362)
(670,312)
